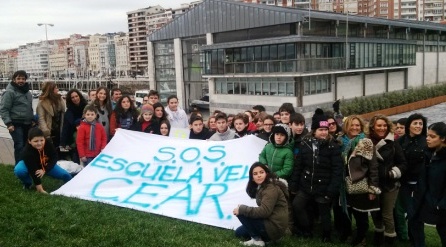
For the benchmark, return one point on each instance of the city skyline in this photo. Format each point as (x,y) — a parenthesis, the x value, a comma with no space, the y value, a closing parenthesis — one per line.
(19,19)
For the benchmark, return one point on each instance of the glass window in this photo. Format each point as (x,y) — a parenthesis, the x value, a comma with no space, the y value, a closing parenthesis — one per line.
(258,53)
(281,52)
(290,51)
(273,88)
(266,88)
(273,52)
(265,52)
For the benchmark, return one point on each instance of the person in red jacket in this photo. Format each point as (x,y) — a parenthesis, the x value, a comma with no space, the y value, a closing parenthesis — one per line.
(91,137)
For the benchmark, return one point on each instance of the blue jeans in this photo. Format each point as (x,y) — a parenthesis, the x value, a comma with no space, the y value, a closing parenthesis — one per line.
(20,138)
(254,227)
(407,201)
(21,172)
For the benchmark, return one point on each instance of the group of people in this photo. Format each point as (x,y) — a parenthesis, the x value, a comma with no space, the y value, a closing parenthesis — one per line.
(342,165)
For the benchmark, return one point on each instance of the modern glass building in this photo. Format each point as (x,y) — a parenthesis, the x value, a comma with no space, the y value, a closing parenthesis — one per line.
(248,54)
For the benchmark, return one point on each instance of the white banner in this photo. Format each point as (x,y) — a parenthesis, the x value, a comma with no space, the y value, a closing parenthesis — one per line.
(194,180)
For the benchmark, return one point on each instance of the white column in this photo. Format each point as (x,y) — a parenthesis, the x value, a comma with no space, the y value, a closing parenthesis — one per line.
(211,83)
(151,65)
(178,52)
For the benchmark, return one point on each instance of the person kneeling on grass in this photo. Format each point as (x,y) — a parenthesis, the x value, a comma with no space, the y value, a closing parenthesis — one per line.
(39,158)
(268,221)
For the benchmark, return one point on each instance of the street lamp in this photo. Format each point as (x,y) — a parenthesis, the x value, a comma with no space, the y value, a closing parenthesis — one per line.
(47,46)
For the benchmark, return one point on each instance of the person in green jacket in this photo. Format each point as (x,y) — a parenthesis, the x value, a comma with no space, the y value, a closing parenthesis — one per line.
(278,154)
(269,220)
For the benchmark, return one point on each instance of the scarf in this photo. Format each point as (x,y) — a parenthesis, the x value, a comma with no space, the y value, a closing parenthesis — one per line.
(348,145)
(92,143)
(23,89)
(126,120)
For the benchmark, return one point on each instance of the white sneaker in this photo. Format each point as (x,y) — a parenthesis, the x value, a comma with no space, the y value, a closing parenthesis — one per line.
(254,242)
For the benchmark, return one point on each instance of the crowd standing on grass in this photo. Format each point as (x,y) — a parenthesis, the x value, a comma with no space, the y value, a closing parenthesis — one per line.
(345,165)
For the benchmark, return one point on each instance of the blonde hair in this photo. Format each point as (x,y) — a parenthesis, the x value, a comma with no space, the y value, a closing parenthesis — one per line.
(348,122)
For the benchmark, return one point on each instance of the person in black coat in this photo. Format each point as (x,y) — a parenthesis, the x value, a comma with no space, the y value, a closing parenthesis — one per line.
(197,129)
(430,203)
(414,146)
(391,166)
(317,176)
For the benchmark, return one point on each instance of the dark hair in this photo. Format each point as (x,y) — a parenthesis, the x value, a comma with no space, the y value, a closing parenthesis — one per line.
(413,117)
(241,116)
(153,93)
(216,112)
(259,108)
(91,90)
(171,97)
(251,187)
(156,105)
(35,132)
(221,115)
(69,101)
(297,118)
(115,89)
(121,113)
(287,107)
(269,117)
(20,73)
(107,102)
(194,118)
(90,108)
(401,121)
(165,121)
(439,128)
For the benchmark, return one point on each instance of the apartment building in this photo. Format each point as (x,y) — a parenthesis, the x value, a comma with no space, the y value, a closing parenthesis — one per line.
(122,54)
(138,31)
(96,65)
(77,54)
(33,58)
(8,63)
(58,59)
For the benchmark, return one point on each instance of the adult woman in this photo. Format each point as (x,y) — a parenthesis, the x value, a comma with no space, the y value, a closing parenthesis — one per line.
(50,110)
(413,143)
(359,162)
(268,123)
(333,128)
(431,193)
(391,165)
(317,177)
(177,116)
(104,109)
(124,115)
(268,221)
(75,105)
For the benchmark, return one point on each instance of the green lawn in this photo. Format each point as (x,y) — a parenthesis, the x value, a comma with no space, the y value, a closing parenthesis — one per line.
(28,218)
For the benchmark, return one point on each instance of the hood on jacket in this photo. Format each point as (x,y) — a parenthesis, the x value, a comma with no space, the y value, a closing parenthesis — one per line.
(284,129)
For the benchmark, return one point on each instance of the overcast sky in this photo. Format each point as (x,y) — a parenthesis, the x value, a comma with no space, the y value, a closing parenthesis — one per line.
(19,18)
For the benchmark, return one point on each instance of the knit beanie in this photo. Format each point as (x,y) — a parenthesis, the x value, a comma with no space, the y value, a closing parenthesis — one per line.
(319,120)
(146,108)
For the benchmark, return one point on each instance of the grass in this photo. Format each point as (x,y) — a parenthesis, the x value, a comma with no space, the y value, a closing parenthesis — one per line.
(28,218)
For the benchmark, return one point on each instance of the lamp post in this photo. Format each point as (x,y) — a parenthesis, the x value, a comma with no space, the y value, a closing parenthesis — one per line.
(47,46)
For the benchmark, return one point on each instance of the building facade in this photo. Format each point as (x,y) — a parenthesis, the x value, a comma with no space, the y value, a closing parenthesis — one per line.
(33,58)
(268,55)
(122,54)
(8,63)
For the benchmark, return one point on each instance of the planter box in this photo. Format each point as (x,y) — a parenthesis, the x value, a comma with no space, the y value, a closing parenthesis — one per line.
(407,107)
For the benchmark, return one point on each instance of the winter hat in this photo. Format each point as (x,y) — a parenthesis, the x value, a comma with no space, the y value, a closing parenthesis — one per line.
(319,120)
(281,128)
(146,108)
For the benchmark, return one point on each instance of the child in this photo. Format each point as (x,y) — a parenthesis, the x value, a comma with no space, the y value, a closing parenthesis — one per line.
(124,115)
(145,122)
(39,158)
(197,129)
(164,128)
(177,116)
(241,125)
(153,97)
(285,110)
(223,132)
(277,154)
(91,137)
(297,124)
(268,221)
(268,124)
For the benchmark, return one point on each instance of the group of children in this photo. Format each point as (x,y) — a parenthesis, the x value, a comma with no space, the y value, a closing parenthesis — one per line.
(299,173)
